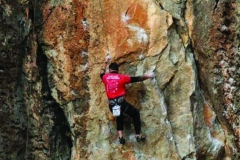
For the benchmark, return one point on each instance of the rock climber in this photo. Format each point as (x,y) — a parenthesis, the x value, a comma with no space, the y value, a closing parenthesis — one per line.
(115,90)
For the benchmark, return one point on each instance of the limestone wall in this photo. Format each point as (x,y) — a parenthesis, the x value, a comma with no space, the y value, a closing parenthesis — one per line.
(53,104)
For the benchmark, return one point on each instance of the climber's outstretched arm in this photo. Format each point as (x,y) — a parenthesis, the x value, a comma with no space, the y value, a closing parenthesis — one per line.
(104,66)
(142,78)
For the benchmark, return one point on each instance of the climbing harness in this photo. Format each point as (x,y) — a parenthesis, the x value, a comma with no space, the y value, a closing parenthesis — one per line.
(116,109)
(116,100)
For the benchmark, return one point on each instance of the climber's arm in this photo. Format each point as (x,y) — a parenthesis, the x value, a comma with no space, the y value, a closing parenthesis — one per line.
(104,66)
(142,78)
(103,69)
(137,79)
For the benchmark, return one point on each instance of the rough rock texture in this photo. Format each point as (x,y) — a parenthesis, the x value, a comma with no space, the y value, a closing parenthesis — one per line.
(53,104)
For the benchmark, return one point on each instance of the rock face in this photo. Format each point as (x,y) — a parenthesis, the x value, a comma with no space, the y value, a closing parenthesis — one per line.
(53,103)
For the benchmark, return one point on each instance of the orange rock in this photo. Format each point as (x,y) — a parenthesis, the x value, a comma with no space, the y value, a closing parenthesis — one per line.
(209,115)
(110,116)
(128,155)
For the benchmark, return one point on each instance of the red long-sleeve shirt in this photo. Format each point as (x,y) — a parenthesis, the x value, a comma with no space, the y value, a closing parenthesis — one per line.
(115,83)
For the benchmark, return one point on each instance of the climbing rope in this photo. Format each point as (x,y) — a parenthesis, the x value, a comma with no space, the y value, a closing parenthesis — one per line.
(30,85)
(28,105)
(34,15)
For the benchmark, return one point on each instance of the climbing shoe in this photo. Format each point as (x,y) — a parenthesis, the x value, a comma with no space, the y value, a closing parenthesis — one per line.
(140,138)
(121,140)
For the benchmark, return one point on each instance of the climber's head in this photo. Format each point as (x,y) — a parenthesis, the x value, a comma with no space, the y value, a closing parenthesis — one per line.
(113,67)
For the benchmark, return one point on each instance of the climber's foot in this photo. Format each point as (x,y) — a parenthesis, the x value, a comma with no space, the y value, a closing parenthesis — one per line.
(121,140)
(140,138)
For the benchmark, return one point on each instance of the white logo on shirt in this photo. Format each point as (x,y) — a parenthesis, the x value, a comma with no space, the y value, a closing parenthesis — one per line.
(113,77)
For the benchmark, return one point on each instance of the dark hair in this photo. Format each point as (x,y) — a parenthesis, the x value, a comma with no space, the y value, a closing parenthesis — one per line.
(113,66)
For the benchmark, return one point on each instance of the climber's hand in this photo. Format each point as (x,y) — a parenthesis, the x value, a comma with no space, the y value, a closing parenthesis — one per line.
(107,59)
(150,75)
